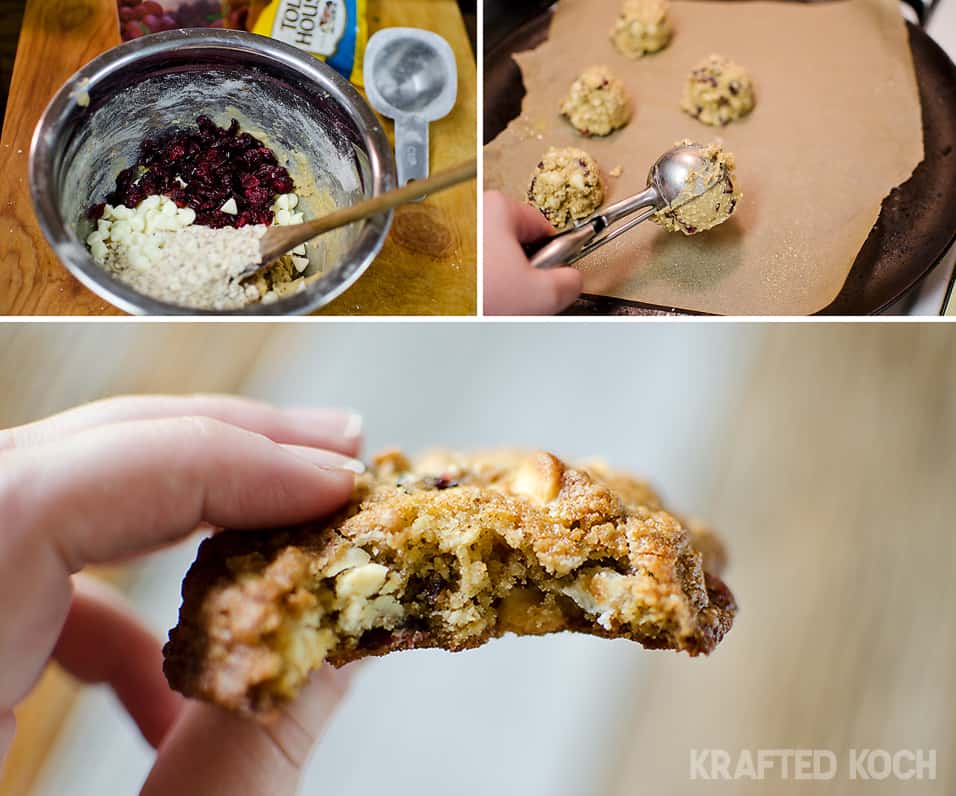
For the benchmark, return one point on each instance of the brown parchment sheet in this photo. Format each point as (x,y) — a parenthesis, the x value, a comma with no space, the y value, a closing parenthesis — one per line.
(836,127)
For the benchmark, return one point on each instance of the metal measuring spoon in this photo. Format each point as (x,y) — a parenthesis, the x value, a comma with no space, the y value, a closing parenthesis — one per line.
(665,182)
(411,77)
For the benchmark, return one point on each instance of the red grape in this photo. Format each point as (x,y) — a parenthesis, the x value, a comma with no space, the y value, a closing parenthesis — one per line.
(132,30)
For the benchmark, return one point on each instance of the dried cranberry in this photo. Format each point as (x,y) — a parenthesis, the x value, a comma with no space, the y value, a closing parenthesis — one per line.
(442,482)
(282,184)
(258,196)
(246,140)
(125,178)
(202,168)
(206,125)
(134,196)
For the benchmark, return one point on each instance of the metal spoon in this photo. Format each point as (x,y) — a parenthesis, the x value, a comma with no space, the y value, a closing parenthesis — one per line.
(665,181)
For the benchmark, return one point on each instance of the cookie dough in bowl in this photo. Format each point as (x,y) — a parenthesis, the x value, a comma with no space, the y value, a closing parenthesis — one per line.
(566,186)
(694,211)
(643,27)
(718,91)
(598,103)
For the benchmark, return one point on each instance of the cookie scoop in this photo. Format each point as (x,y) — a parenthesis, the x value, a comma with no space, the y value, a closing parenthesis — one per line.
(690,188)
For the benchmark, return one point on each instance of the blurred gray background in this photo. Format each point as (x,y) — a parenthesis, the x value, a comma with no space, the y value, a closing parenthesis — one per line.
(822,453)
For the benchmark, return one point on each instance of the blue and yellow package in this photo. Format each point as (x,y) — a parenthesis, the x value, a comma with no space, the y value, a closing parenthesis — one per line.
(334,31)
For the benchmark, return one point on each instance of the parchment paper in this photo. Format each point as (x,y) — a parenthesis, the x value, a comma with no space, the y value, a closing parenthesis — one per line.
(836,127)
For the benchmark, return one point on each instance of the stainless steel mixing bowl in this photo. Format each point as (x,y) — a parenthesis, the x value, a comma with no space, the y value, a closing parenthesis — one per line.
(316,122)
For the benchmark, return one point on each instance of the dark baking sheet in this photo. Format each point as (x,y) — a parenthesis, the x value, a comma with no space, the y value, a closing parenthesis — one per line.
(917,223)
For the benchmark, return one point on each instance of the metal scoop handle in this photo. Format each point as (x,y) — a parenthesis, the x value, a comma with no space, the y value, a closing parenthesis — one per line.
(411,148)
(569,246)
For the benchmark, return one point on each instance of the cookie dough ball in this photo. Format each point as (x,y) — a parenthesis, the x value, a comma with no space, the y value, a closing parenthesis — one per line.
(598,103)
(718,91)
(643,27)
(566,186)
(691,213)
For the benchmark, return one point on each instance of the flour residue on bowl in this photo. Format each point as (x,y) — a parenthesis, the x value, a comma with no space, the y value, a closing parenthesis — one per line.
(322,161)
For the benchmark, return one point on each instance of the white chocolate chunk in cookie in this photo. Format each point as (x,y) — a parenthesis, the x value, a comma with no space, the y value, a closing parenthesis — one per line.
(363,581)
(353,557)
(539,477)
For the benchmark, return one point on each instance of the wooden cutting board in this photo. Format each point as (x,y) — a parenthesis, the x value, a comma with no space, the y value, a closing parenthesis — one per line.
(427,266)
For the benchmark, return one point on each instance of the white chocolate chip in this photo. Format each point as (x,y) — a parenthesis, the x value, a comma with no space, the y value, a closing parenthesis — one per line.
(354,557)
(362,581)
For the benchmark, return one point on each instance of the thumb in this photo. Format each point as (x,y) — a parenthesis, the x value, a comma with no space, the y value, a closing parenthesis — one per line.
(556,289)
(212,751)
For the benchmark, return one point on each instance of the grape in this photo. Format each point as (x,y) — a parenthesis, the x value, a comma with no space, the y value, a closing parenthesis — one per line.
(198,14)
(132,30)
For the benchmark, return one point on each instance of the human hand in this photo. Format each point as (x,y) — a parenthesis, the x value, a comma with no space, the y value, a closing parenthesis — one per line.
(124,476)
(511,285)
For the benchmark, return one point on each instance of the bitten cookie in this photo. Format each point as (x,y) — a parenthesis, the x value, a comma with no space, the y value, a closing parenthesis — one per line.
(718,91)
(449,551)
(694,211)
(566,186)
(597,103)
(643,27)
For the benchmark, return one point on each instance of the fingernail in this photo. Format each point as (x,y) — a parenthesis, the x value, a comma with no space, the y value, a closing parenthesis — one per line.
(353,426)
(346,422)
(327,460)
